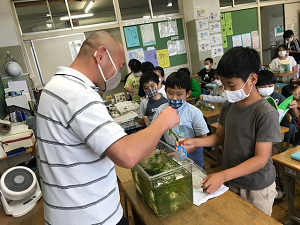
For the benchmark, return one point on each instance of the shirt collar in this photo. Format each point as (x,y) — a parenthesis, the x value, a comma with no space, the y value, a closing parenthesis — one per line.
(179,110)
(61,70)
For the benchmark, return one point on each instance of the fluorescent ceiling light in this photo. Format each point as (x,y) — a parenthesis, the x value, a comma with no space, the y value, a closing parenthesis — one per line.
(89,6)
(77,16)
(170,4)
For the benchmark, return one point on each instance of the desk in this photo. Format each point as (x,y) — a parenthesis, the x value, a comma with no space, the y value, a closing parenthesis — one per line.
(284,77)
(228,208)
(212,115)
(191,100)
(8,162)
(298,104)
(291,170)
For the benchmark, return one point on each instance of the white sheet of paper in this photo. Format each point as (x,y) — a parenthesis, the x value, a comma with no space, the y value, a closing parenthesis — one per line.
(237,40)
(180,47)
(246,39)
(172,48)
(172,28)
(148,36)
(163,29)
(20,85)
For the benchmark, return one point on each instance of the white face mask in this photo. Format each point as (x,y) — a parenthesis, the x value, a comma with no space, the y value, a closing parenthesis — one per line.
(291,39)
(282,53)
(238,95)
(114,81)
(138,74)
(264,92)
(207,67)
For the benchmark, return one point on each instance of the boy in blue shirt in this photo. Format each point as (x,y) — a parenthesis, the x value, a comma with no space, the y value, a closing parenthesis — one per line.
(248,125)
(192,123)
(149,82)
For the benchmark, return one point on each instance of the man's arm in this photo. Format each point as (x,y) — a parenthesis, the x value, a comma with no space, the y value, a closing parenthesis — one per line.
(213,182)
(129,150)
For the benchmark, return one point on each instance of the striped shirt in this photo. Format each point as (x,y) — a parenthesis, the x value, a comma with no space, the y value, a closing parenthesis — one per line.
(73,131)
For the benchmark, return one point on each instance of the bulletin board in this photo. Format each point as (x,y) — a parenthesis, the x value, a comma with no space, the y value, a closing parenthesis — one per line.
(160,42)
(243,21)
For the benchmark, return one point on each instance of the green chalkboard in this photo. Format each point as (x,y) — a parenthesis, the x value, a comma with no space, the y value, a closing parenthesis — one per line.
(243,21)
(161,43)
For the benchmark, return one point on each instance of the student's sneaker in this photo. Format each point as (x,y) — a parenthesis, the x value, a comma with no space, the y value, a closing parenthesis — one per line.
(279,193)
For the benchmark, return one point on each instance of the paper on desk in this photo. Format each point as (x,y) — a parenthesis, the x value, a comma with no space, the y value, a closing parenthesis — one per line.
(200,197)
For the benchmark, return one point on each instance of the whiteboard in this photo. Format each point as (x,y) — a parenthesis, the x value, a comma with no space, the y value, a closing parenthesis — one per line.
(49,53)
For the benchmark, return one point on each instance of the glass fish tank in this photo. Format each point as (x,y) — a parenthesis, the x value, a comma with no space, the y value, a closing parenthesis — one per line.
(164,179)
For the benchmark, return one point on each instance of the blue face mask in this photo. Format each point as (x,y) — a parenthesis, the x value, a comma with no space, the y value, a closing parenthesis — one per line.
(175,104)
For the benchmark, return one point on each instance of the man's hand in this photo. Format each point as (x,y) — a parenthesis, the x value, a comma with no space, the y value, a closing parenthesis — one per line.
(169,117)
(201,97)
(212,182)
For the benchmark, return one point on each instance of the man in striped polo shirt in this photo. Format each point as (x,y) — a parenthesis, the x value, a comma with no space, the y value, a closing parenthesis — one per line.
(78,141)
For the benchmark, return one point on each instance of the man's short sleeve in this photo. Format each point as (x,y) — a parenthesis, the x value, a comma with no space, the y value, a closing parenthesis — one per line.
(89,119)
(199,124)
(268,128)
(143,107)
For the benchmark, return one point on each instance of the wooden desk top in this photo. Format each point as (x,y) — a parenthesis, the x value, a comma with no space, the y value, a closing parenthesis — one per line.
(228,208)
(284,74)
(123,174)
(28,150)
(215,112)
(191,99)
(282,129)
(284,158)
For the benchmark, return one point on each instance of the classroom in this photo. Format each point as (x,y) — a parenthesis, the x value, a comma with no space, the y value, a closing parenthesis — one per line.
(129,112)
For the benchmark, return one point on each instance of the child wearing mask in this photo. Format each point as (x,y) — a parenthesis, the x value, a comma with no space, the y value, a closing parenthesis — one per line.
(149,81)
(287,62)
(145,67)
(192,123)
(161,76)
(132,85)
(265,86)
(217,95)
(248,125)
(293,45)
(207,73)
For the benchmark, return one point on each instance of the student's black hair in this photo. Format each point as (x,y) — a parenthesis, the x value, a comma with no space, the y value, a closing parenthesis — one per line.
(283,46)
(147,66)
(288,90)
(136,66)
(185,70)
(131,62)
(159,68)
(148,76)
(180,80)
(287,34)
(265,77)
(239,62)
(210,60)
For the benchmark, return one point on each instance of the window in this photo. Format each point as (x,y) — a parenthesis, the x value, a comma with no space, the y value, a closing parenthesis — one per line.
(134,9)
(163,7)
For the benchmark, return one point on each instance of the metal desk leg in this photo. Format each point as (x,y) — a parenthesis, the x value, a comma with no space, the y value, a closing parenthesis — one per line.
(289,183)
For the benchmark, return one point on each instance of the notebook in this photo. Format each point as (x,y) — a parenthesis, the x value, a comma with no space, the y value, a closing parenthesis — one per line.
(296,156)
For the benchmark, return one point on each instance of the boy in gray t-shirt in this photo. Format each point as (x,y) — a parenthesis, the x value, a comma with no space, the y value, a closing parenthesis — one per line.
(248,125)
(148,106)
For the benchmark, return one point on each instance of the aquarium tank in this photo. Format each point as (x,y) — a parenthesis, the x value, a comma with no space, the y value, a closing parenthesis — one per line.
(164,179)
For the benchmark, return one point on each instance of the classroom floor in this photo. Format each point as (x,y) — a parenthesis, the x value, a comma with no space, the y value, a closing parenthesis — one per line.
(280,207)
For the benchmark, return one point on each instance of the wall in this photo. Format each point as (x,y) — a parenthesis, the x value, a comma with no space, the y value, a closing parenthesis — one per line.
(197,58)
(292,10)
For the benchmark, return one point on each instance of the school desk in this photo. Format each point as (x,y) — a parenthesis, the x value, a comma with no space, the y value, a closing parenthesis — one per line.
(228,208)
(211,116)
(291,170)
(285,77)
(191,100)
(8,162)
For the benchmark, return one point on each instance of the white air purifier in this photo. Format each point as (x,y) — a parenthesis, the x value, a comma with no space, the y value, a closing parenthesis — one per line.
(19,191)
